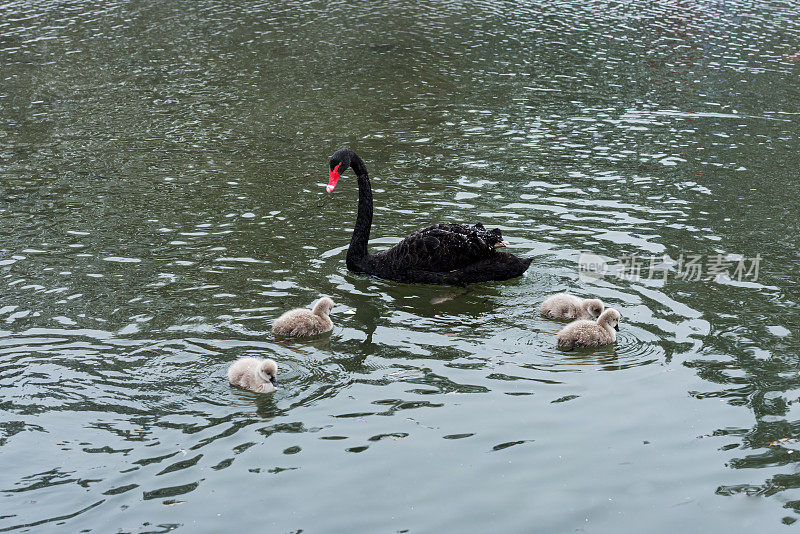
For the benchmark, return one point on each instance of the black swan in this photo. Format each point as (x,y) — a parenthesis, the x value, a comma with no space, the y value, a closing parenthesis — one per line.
(445,253)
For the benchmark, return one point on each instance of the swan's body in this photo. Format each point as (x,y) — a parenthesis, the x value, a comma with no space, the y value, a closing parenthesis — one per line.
(445,253)
(254,374)
(585,333)
(301,322)
(564,306)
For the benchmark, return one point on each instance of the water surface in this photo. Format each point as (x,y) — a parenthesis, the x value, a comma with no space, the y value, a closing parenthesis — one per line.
(162,171)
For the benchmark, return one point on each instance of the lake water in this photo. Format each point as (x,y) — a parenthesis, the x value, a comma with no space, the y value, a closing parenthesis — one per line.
(162,172)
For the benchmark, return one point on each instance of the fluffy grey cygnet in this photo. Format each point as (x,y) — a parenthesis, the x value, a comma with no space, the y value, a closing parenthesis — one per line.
(585,333)
(301,322)
(564,306)
(254,374)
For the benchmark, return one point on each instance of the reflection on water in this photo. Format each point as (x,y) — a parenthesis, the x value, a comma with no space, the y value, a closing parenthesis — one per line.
(162,172)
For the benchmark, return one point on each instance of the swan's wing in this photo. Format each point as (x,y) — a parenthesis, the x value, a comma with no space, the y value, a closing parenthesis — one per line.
(444,247)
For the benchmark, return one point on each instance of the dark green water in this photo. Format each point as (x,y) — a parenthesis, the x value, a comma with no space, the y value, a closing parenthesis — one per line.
(162,171)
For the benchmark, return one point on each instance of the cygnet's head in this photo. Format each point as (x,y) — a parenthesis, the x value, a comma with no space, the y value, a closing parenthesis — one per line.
(323,306)
(268,370)
(611,318)
(594,307)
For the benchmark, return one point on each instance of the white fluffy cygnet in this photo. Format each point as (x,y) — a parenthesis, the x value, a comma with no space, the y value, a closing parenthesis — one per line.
(254,374)
(301,322)
(585,333)
(564,306)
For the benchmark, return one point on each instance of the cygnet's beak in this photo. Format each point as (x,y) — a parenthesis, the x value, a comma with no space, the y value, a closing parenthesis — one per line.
(274,381)
(616,327)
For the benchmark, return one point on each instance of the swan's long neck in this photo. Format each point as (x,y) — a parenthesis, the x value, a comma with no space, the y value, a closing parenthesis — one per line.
(608,328)
(262,375)
(357,253)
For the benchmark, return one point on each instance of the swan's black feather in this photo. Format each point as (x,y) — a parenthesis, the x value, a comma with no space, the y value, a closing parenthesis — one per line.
(442,247)
(447,253)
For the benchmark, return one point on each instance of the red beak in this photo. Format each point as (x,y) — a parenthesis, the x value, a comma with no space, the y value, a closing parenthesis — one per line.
(333,179)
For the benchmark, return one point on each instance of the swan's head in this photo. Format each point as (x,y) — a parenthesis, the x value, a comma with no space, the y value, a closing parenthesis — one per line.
(323,306)
(611,318)
(338,163)
(594,307)
(268,370)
